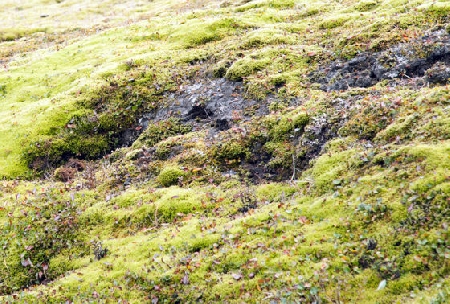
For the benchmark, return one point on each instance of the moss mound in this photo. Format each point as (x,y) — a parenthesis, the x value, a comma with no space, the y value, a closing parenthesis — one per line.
(170,176)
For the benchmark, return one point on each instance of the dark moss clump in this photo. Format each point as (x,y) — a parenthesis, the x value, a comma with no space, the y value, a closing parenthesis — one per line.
(283,128)
(231,152)
(220,69)
(265,149)
(51,152)
(280,141)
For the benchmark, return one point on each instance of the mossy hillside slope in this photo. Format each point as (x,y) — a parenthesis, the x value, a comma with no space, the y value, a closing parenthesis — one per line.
(337,196)
(342,232)
(43,90)
(47,80)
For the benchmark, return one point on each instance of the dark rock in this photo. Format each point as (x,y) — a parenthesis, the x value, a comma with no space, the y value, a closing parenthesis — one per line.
(206,99)
(404,61)
(438,73)
(371,244)
(365,261)
(246,208)
(221,124)
(99,251)
(199,112)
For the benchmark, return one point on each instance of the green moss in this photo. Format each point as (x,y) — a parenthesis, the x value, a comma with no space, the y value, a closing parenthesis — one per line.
(282,128)
(163,150)
(367,5)
(332,23)
(195,32)
(203,242)
(171,176)
(262,37)
(327,170)
(160,131)
(178,202)
(230,152)
(436,156)
(439,9)
(308,240)
(30,259)
(17,33)
(281,4)
(245,67)
(247,6)
(399,129)
(274,192)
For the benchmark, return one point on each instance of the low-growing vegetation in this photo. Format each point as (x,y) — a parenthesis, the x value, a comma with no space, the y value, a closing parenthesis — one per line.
(266,151)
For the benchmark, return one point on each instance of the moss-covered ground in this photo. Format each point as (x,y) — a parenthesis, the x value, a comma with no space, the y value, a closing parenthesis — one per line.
(311,196)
